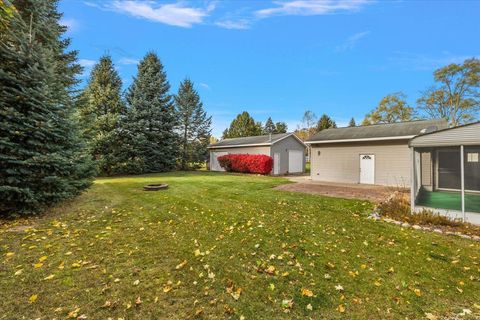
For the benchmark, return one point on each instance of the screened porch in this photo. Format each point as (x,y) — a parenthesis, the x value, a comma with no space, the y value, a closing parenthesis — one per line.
(446,171)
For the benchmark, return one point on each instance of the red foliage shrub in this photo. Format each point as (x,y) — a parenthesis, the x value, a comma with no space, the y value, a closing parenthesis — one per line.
(246,163)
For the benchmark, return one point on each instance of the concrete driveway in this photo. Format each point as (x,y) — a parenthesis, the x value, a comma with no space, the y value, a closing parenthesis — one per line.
(339,190)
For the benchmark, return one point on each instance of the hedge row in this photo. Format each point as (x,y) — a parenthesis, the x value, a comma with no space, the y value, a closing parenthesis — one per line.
(246,163)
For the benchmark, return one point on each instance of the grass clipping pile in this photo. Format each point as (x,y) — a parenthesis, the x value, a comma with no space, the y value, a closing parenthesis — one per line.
(397,207)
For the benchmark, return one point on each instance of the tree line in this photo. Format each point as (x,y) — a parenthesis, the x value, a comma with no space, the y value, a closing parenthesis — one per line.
(147,129)
(54,138)
(244,126)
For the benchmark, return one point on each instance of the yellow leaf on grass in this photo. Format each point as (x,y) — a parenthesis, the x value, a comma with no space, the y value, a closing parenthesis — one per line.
(18,272)
(418,292)
(33,298)
(306,292)
(167,288)
(341,308)
(430,316)
(49,277)
(181,265)
(76,265)
(9,254)
(270,270)
(38,265)
(42,258)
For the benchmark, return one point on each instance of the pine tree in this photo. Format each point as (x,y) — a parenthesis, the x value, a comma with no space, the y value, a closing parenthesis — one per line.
(269,126)
(147,134)
(243,126)
(194,126)
(352,123)
(42,158)
(100,107)
(281,127)
(325,122)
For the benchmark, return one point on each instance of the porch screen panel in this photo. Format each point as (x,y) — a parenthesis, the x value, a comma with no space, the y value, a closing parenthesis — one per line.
(472,168)
(449,169)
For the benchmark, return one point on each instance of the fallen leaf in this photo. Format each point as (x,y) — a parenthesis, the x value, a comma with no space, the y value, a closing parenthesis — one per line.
(33,298)
(49,277)
(341,308)
(181,265)
(306,292)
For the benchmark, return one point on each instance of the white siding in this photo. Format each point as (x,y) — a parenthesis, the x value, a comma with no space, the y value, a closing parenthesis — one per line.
(340,162)
(466,135)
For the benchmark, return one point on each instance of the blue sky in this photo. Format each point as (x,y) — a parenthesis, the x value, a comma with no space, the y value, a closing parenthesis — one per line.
(280,58)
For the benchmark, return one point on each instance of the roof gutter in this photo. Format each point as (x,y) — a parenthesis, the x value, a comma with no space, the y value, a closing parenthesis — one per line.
(240,145)
(361,140)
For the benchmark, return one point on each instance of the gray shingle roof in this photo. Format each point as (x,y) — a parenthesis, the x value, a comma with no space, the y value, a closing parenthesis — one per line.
(248,141)
(400,129)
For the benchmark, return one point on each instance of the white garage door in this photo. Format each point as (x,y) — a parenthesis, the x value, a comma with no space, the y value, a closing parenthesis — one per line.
(295,161)
(214,165)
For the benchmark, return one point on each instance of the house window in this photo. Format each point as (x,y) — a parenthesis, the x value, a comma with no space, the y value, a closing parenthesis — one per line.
(367,158)
(472,157)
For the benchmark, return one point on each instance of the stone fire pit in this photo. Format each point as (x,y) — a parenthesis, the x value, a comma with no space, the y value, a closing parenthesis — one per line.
(155,187)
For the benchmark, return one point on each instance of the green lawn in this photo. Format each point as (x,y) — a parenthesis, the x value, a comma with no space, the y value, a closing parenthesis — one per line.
(218,246)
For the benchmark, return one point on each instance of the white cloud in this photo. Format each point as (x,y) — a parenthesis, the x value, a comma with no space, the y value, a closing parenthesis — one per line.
(311,7)
(413,61)
(128,61)
(174,14)
(71,24)
(86,63)
(204,85)
(234,24)
(352,41)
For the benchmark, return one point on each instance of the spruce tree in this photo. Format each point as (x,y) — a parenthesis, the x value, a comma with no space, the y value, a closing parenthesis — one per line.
(243,126)
(325,122)
(281,127)
(194,126)
(100,107)
(352,123)
(147,134)
(269,126)
(42,160)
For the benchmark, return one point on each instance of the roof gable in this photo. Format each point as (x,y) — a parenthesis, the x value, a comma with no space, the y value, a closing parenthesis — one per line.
(468,134)
(387,131)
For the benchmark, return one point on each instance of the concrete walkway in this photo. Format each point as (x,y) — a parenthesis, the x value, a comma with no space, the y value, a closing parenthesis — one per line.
(338,190)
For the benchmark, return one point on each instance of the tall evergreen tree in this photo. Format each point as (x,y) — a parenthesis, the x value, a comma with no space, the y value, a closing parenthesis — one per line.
(147,134)
(281,127)
(194,126)
(352,123)
(325,122)
(42,158)
(100,107)
(269,126)
(243,126)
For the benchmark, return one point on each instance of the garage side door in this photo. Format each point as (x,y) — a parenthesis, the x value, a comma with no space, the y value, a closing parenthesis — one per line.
(295,161)
(214,165)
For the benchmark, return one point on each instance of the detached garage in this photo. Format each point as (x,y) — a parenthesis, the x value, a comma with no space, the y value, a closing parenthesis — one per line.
(376,154)
(286,150)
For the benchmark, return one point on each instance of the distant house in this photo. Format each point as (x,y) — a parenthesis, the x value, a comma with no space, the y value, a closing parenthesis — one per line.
(286,149)
(375,154)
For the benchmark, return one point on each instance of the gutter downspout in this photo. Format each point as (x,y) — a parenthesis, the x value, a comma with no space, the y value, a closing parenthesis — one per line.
(413,181)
